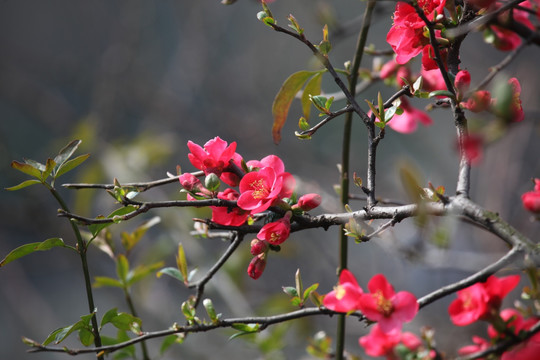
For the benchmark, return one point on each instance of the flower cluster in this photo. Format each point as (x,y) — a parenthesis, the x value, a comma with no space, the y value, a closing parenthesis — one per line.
(261,184)
(482,301)
(382,304)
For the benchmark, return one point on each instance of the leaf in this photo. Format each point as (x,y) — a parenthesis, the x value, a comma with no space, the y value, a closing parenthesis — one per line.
(23,185)
(124,321)
(374,110)
(130,240)
(170,340)
(66,152)
(86,336)
(70,165)
(58,335)
(172,272)
(122,268)
(141,271)
(282,101)
(100,281)
(49,167)
(36,164)
(440,93)
(289,290)
(32,247)
(108,316)
(96,228)
(181,262)
(28,169)
(309,290)
(245,329)
(313,87)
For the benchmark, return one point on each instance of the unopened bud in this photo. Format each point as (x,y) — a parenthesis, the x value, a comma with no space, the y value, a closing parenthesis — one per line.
(189,181)
(462,82)
(211,182)
(309,202)
(479,101)
(258,246)
(256,266)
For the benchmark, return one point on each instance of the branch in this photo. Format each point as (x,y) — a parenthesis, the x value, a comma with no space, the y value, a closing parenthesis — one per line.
(332,115)
(141,186)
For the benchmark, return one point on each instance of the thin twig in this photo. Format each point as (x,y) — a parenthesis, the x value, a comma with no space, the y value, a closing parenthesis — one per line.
(311,131)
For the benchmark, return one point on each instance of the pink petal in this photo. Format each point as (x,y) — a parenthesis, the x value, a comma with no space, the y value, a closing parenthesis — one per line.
(379,283)
(405,306)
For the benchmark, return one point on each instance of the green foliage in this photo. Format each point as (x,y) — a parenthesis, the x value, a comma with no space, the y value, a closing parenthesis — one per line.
(83,325)
(115,215)
(33,247)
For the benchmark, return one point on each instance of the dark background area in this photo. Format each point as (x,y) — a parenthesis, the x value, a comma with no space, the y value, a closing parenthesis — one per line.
(135,80)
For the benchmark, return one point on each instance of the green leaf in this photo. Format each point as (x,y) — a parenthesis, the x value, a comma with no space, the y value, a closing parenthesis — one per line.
(130,240)
(100,281)
(109,315)
(303,124)
(58,335)
(313,87)
(70,165)
(181,262)
(289,290)
(96,228)
(440,93)
(122,268)
(142,271)
(282,101)
(86,336)
(124,321)
(28,169)
(309,290)
(172,272)
(170,340)
(36,164)
(49,167)
(245,329)
(30,248)
(374,110)
(66,152)
(23,185)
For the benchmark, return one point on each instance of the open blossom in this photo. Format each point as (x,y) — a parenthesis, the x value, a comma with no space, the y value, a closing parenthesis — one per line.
(407,122)
(384,305)
(225,216)
(346,294)
(261,189)
(380,343)
(480,344)
(481,301)
(530,348)
(276,232)
(406,36)
(504,39)
(531,199)
(214,158)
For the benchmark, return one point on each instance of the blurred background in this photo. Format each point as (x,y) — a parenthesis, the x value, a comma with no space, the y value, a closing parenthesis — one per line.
(135,80)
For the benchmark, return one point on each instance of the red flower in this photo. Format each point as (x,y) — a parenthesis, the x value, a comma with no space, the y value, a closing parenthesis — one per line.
(225,216)
(345,296)
(432,80)
(407,122)
(276,232)
(529,349)
(531,199)
(308,202)
(258,247)
(215,158)
(478,101)
(261,189)
(406,36)
(515,106)
(462,82)
(379,343)
(384,305)
(256,266)
(481,300)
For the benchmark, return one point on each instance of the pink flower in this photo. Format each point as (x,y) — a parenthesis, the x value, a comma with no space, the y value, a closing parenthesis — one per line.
(480,345)
(261,189)
(481,300)
(308,202)
(515,106)
(379,343)
(215,158)
(384,305)
(531,199)
(345,296)
(225,216)
(276,232)
(256,266)
(407,122)
(432,80)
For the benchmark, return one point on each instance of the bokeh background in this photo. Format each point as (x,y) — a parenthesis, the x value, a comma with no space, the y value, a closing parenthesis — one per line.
(135,80)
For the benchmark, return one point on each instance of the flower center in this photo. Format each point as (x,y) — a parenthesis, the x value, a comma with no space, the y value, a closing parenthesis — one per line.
(340,292)
(384,305)
(259,190)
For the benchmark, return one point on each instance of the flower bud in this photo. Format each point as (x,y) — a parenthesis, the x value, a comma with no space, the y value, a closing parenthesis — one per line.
(189,181)
(256,266)
(309,202)
(531,200)
(211,182)
(479,101)
(462,82)
(258,247)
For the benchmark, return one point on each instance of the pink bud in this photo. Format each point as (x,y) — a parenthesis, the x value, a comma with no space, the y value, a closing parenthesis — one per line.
(258,247)
(256,266)
(531,199)
(462,82)
(309,202)
(479,101)
(189,181)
